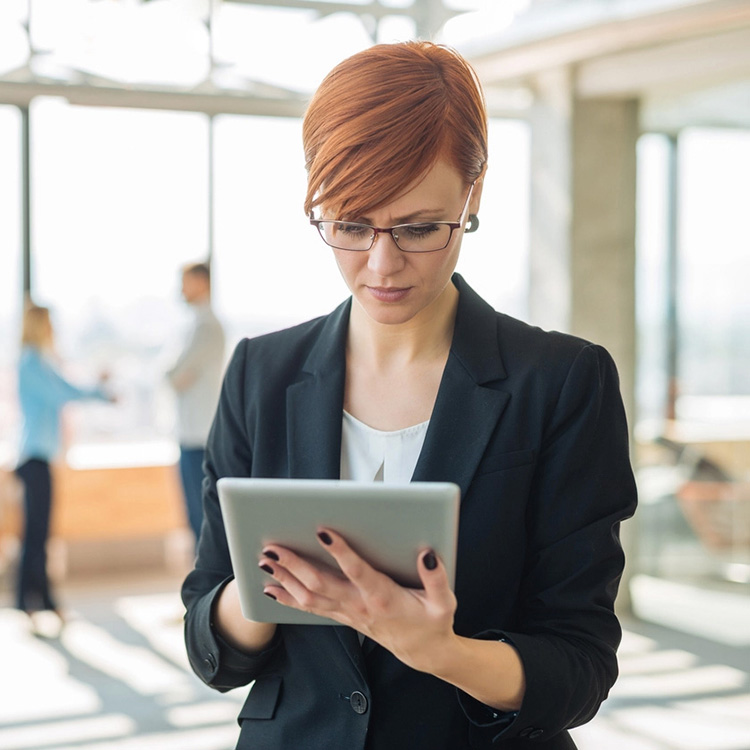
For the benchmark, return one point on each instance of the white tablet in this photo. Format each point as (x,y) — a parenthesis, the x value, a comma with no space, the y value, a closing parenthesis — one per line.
(387,524)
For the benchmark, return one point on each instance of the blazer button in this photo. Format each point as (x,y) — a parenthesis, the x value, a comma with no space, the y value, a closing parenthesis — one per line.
(536,734)
(358,702)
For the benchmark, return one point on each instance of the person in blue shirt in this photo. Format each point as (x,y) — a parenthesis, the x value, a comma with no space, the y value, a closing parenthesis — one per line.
(42,391)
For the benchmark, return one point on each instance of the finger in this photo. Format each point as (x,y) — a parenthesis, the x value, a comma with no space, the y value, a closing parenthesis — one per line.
(354,567)
(311,574)
(310,588)
(434,577)
(287,589)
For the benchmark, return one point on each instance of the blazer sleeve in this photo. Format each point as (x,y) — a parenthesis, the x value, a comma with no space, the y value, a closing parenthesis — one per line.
(567,633)
(228,453)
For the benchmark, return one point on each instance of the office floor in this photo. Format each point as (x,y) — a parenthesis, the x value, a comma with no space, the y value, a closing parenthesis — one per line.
(116,678)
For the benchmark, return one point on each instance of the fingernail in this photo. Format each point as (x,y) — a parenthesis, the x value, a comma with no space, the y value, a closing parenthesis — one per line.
(430,561)
(267,568)
(271,555)
(270,595)
(325,537)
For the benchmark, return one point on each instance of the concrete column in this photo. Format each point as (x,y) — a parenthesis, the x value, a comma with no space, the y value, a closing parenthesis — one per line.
(603,253)
(603,231)
(582,246)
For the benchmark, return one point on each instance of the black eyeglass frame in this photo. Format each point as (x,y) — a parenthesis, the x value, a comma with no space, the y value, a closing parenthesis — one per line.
(453,225)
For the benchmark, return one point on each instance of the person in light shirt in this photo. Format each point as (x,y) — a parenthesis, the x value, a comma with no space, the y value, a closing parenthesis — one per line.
(42,392)
(415,377)
(196,379)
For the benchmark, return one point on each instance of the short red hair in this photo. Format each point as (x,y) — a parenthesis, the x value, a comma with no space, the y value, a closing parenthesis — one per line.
(382,118)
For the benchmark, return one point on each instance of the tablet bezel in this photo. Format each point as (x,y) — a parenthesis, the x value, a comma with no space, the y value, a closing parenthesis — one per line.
(388,524)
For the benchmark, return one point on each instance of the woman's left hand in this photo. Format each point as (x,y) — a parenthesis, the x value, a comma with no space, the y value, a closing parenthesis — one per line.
(413,624)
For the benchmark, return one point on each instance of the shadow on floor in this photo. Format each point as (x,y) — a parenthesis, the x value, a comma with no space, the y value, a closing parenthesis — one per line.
(116,678)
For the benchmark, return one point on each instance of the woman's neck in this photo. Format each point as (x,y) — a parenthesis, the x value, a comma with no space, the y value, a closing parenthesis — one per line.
(424,338)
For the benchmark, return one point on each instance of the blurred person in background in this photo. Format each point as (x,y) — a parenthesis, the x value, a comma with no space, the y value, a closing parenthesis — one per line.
(415,377)
(196,380)
(43,391)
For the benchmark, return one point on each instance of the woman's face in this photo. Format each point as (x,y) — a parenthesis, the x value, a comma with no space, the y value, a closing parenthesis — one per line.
(391,286)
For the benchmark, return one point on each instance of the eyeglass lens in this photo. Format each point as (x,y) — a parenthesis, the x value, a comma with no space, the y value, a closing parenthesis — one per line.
(411,238)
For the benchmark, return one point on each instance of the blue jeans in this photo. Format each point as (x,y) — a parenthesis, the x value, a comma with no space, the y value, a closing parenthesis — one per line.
(191,474)
(33,588)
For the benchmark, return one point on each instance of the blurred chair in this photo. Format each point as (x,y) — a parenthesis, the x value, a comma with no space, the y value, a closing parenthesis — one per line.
(714,503)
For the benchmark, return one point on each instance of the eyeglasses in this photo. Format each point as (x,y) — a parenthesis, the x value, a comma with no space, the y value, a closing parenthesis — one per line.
(423,237)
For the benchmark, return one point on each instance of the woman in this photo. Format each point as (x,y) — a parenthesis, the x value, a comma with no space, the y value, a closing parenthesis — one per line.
(42,393)
(529,424)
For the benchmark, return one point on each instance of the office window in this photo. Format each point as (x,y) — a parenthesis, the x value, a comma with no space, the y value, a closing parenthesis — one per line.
(651,279)
(119,204)
(10,278)
(714,270)
(692,448)
(495,260)
(270,268)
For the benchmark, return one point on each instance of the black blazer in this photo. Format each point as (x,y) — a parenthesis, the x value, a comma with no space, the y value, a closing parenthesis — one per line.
(530,425)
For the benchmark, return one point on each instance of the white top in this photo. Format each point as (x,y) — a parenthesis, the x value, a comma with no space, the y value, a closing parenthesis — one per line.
(196,377)
(371,455)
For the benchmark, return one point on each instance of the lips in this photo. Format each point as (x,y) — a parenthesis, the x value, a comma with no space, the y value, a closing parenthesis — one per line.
(388,294)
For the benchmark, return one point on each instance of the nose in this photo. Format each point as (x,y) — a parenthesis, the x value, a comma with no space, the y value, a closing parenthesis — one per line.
(384,257)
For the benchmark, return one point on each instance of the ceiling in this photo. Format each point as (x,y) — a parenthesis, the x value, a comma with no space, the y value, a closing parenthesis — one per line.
(687,61)
(260,57)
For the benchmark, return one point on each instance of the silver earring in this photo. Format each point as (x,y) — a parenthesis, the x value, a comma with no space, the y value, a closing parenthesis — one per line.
(473,224)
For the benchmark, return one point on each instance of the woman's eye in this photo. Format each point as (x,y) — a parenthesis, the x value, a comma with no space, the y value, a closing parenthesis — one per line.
(417,231)
(352,230)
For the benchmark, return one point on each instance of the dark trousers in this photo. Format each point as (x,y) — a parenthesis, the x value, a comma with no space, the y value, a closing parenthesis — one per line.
(33,588)
(191,474)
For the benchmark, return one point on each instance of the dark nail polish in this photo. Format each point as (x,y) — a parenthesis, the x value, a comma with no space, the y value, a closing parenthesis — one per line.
(271,555)
(430,561)
(325,537)
(270,596)
(267,568)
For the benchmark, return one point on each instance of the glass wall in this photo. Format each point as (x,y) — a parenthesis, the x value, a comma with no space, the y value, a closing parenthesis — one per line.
(269,271)
(694,433)
(120,203)
(10,278)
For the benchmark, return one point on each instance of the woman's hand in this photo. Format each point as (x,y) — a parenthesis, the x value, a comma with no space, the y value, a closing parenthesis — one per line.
(415,625)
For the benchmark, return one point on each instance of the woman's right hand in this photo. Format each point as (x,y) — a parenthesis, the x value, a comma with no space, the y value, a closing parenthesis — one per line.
(241,633)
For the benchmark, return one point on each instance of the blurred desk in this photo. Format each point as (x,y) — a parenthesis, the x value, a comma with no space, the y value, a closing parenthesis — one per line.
(728,445)
(115,507)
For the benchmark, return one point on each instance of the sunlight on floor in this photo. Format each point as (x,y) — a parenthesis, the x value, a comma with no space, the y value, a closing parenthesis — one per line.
(214,738)
(117,679)
(139,668)
(37,683)
(75,730)
(648,711)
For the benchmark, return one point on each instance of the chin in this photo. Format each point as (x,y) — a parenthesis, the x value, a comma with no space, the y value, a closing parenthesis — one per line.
(389,314)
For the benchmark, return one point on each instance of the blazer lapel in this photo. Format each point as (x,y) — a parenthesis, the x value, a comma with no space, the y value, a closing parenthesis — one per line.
(315,407)
(315,403)
(467,408)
